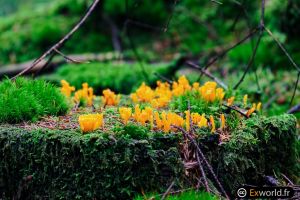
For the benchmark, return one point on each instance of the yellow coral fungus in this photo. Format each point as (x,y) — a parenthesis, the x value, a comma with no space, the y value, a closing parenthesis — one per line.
(258,107)
(196,118)
(203,121)
(245,99)
(251,110)
(125,114)
(187,120)
(209,92)
(230,101)
(181,86)
(66,89)
(143,94)
(196,86)
(212,123)
(90,122)
(110,98)
(90,96)
(223,121)
(220,94)
(159,123)
(86,94)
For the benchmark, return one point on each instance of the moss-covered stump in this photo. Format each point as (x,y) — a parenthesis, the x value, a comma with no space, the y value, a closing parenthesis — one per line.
(68,165)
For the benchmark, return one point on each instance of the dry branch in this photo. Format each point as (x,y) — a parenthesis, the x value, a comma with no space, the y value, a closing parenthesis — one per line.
(60,43)
(13,69)
(209,75)
(210,169)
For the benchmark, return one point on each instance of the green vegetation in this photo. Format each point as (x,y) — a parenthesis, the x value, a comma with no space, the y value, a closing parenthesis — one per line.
(181,196)
(28,100)
(112,153)
(274,90)
(120,165)
(119,77)
(28,33)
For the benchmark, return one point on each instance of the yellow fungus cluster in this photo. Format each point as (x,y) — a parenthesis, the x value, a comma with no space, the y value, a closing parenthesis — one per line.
(125,114)
(160,97)
(85,94)
(166,120)
(230,101)
(254,108)
(199,120)
(90,122)
(181,86)
(163,93)
(66,89)
(110,98)
(212,123)
(143,116)
(157,98)
(210,92)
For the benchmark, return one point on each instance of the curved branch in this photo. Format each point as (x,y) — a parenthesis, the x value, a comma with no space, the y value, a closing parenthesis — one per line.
(60,43)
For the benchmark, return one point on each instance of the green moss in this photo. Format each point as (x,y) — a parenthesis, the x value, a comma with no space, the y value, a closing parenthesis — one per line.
(263,146)
(119,165)
(27,99)
(70,165)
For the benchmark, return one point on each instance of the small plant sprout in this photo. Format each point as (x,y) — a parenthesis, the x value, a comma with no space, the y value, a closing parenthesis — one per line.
(125,114)
(90,122)
(66,89)
(110,98)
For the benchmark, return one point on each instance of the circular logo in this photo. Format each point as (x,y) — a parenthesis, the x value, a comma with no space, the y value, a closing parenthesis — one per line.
(242,192)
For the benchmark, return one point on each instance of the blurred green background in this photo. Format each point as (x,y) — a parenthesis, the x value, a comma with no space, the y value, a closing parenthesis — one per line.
(197,30)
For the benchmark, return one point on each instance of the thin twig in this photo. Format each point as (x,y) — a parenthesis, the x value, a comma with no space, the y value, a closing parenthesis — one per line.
(235,109)
(170,16)
(163,78)
(283,49)
(217,2)
(295,88)
(60,43)
(167,191)
(47,64)
(250,62)
(115,33)
(222,54)
(202,173)
(68,58)
(270,101)
(294,109)
(209,75)
(203,158)
(286,178)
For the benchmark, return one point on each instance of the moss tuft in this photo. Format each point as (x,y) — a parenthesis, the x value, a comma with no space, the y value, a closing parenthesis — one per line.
(28,100)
